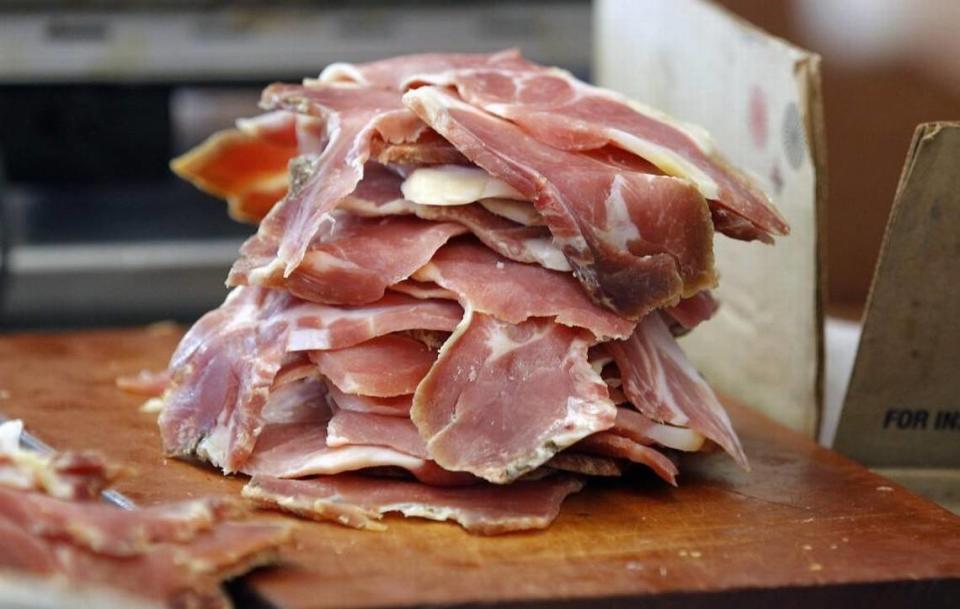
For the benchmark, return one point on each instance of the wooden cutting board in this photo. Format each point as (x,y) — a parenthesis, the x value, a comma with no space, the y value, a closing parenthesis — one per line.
(805,528)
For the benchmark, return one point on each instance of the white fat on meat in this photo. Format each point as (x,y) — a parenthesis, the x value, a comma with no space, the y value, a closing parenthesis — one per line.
(339,72)
(599,361)
(620,228)
(454,185)
(18,467)
(662,384)
(10,432)
(365,208)
(423,289)
(521,212)
(666,160)
(547,255)
(640,428)
(67,475)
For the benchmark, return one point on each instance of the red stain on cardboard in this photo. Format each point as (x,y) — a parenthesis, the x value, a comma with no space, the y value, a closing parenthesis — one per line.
(757,118)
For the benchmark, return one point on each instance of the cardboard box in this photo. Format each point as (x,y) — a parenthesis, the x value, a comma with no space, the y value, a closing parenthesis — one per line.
(759,97)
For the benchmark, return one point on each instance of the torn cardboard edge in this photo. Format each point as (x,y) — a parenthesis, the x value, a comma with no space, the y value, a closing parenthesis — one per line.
(902,406)
(817,133)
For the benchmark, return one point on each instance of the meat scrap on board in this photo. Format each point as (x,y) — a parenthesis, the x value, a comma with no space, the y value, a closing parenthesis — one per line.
(57,533)
(462,298)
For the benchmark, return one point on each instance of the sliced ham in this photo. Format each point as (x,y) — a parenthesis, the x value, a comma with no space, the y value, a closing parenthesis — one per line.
(616,394)
(238,310)
(433,339)
(300,400)
(296,366)
(396,72)
(377,194)
(514,292)
(609,444)
(531,244)
(24,552)
(103,529)
(397,406)
(386,366)
(295,440)
(331,327)
(221,376)
(174,555)
(224,368)
(319,181)
(561,111)
(248,171)
(427,149)
(177,575)
(361,502)
(491,220)
(663,385)
(65,475)
(503,398)
(293,450)
(193,573)
(248,166)
(458,185)
(637,241)
(349,428)
(302,439)
(356,258)
(468,292)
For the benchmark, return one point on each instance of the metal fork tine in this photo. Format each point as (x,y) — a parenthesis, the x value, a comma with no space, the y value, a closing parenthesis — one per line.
(32,442)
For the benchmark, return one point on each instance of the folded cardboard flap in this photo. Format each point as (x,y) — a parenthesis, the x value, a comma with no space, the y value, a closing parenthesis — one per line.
(902,407)
(759,97)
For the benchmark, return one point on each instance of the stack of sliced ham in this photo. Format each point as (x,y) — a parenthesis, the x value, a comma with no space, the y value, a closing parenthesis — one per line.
(462,296)
(55,531)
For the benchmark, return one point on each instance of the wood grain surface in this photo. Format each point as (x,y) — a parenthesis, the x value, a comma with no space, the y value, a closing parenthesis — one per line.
(805,528)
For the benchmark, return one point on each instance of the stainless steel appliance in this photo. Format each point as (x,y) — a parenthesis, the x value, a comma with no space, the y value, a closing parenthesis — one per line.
(94,101)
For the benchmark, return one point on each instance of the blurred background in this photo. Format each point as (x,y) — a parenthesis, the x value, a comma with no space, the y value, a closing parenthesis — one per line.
(94,101)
